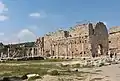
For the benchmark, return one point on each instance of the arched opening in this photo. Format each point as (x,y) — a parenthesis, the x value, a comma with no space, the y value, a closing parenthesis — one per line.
(99,50)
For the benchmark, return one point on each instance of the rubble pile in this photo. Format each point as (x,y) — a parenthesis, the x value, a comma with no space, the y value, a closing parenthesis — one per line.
(93,62)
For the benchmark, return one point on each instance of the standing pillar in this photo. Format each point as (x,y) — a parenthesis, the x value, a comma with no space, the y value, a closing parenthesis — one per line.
(42,51)
(1,54)
(39,51)
(54,50)
(58,50)
(82,49)
(51,49)
(32,51)
(8,52)
(71,50)
(28,52)
(66,51)
(36,51)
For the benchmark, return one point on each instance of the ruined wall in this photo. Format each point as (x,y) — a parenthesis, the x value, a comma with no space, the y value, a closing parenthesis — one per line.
(99,38)
(80,37)
(114,39)
(80,30)
(83,40)
(40,46)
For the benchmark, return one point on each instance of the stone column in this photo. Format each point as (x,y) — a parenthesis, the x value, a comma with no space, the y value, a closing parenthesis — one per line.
(66,50)
(27,52)
(8,52)
(37,51)
(82,49)
(42,51)
(58,50)
(32,52)
(51,49)
(1,54)
(55,50)
(71,50)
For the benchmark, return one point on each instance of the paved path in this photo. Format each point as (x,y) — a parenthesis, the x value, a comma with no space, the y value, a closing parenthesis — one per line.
(112,71)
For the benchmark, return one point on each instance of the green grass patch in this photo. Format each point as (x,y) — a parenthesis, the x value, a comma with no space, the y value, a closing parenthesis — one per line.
(30,67)
(38,61)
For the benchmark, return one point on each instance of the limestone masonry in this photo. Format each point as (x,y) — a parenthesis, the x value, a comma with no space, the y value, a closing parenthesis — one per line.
(83,40)
(114,39)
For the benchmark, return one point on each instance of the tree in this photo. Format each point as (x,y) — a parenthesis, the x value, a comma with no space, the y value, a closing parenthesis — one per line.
(71,29)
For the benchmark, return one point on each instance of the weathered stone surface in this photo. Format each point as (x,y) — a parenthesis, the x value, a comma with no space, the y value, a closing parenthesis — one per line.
(114,39)
(97,62)
(84,40)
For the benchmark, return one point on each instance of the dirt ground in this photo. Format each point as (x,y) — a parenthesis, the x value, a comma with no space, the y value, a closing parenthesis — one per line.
(111,72)
(104,73)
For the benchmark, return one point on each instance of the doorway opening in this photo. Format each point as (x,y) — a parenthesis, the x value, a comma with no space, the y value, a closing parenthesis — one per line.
(100,50)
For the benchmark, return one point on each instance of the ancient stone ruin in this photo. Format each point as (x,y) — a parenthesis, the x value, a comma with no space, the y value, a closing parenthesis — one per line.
(114,39)
(83,40)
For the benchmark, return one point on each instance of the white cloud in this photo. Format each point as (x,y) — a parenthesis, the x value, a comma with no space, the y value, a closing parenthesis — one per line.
(35,14)
(40,14)
(26,35)
(3,17)
(3,7)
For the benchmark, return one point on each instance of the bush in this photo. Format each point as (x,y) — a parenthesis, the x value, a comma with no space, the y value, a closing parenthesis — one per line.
(101,64)
(76,66)
(54,72)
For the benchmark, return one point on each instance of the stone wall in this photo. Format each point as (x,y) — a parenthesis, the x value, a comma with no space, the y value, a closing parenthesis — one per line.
(82,40)
(99,38)
(114,39)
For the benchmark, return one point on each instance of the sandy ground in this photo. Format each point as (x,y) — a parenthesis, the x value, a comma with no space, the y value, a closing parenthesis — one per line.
(112,72)
(106,73)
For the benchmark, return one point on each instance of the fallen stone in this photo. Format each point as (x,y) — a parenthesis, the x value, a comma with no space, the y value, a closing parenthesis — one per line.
(106,64)
(65,64)
(32,75)
(74,70)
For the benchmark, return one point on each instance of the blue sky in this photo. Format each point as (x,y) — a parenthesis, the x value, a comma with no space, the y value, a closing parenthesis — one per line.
(24,20)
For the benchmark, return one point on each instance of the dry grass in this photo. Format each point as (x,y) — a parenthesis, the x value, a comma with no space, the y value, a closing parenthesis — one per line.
(20,68)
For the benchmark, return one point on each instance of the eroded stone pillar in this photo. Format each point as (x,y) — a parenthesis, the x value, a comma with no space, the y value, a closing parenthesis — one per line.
(82,49)
(51,49)
(66,52)
(58,50)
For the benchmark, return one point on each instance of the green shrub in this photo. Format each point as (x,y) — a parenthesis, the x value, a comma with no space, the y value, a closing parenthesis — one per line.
(6,74)
(54,72)
(76,66)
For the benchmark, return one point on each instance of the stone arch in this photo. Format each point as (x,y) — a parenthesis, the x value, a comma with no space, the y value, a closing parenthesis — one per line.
(101,37)
(98,37)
